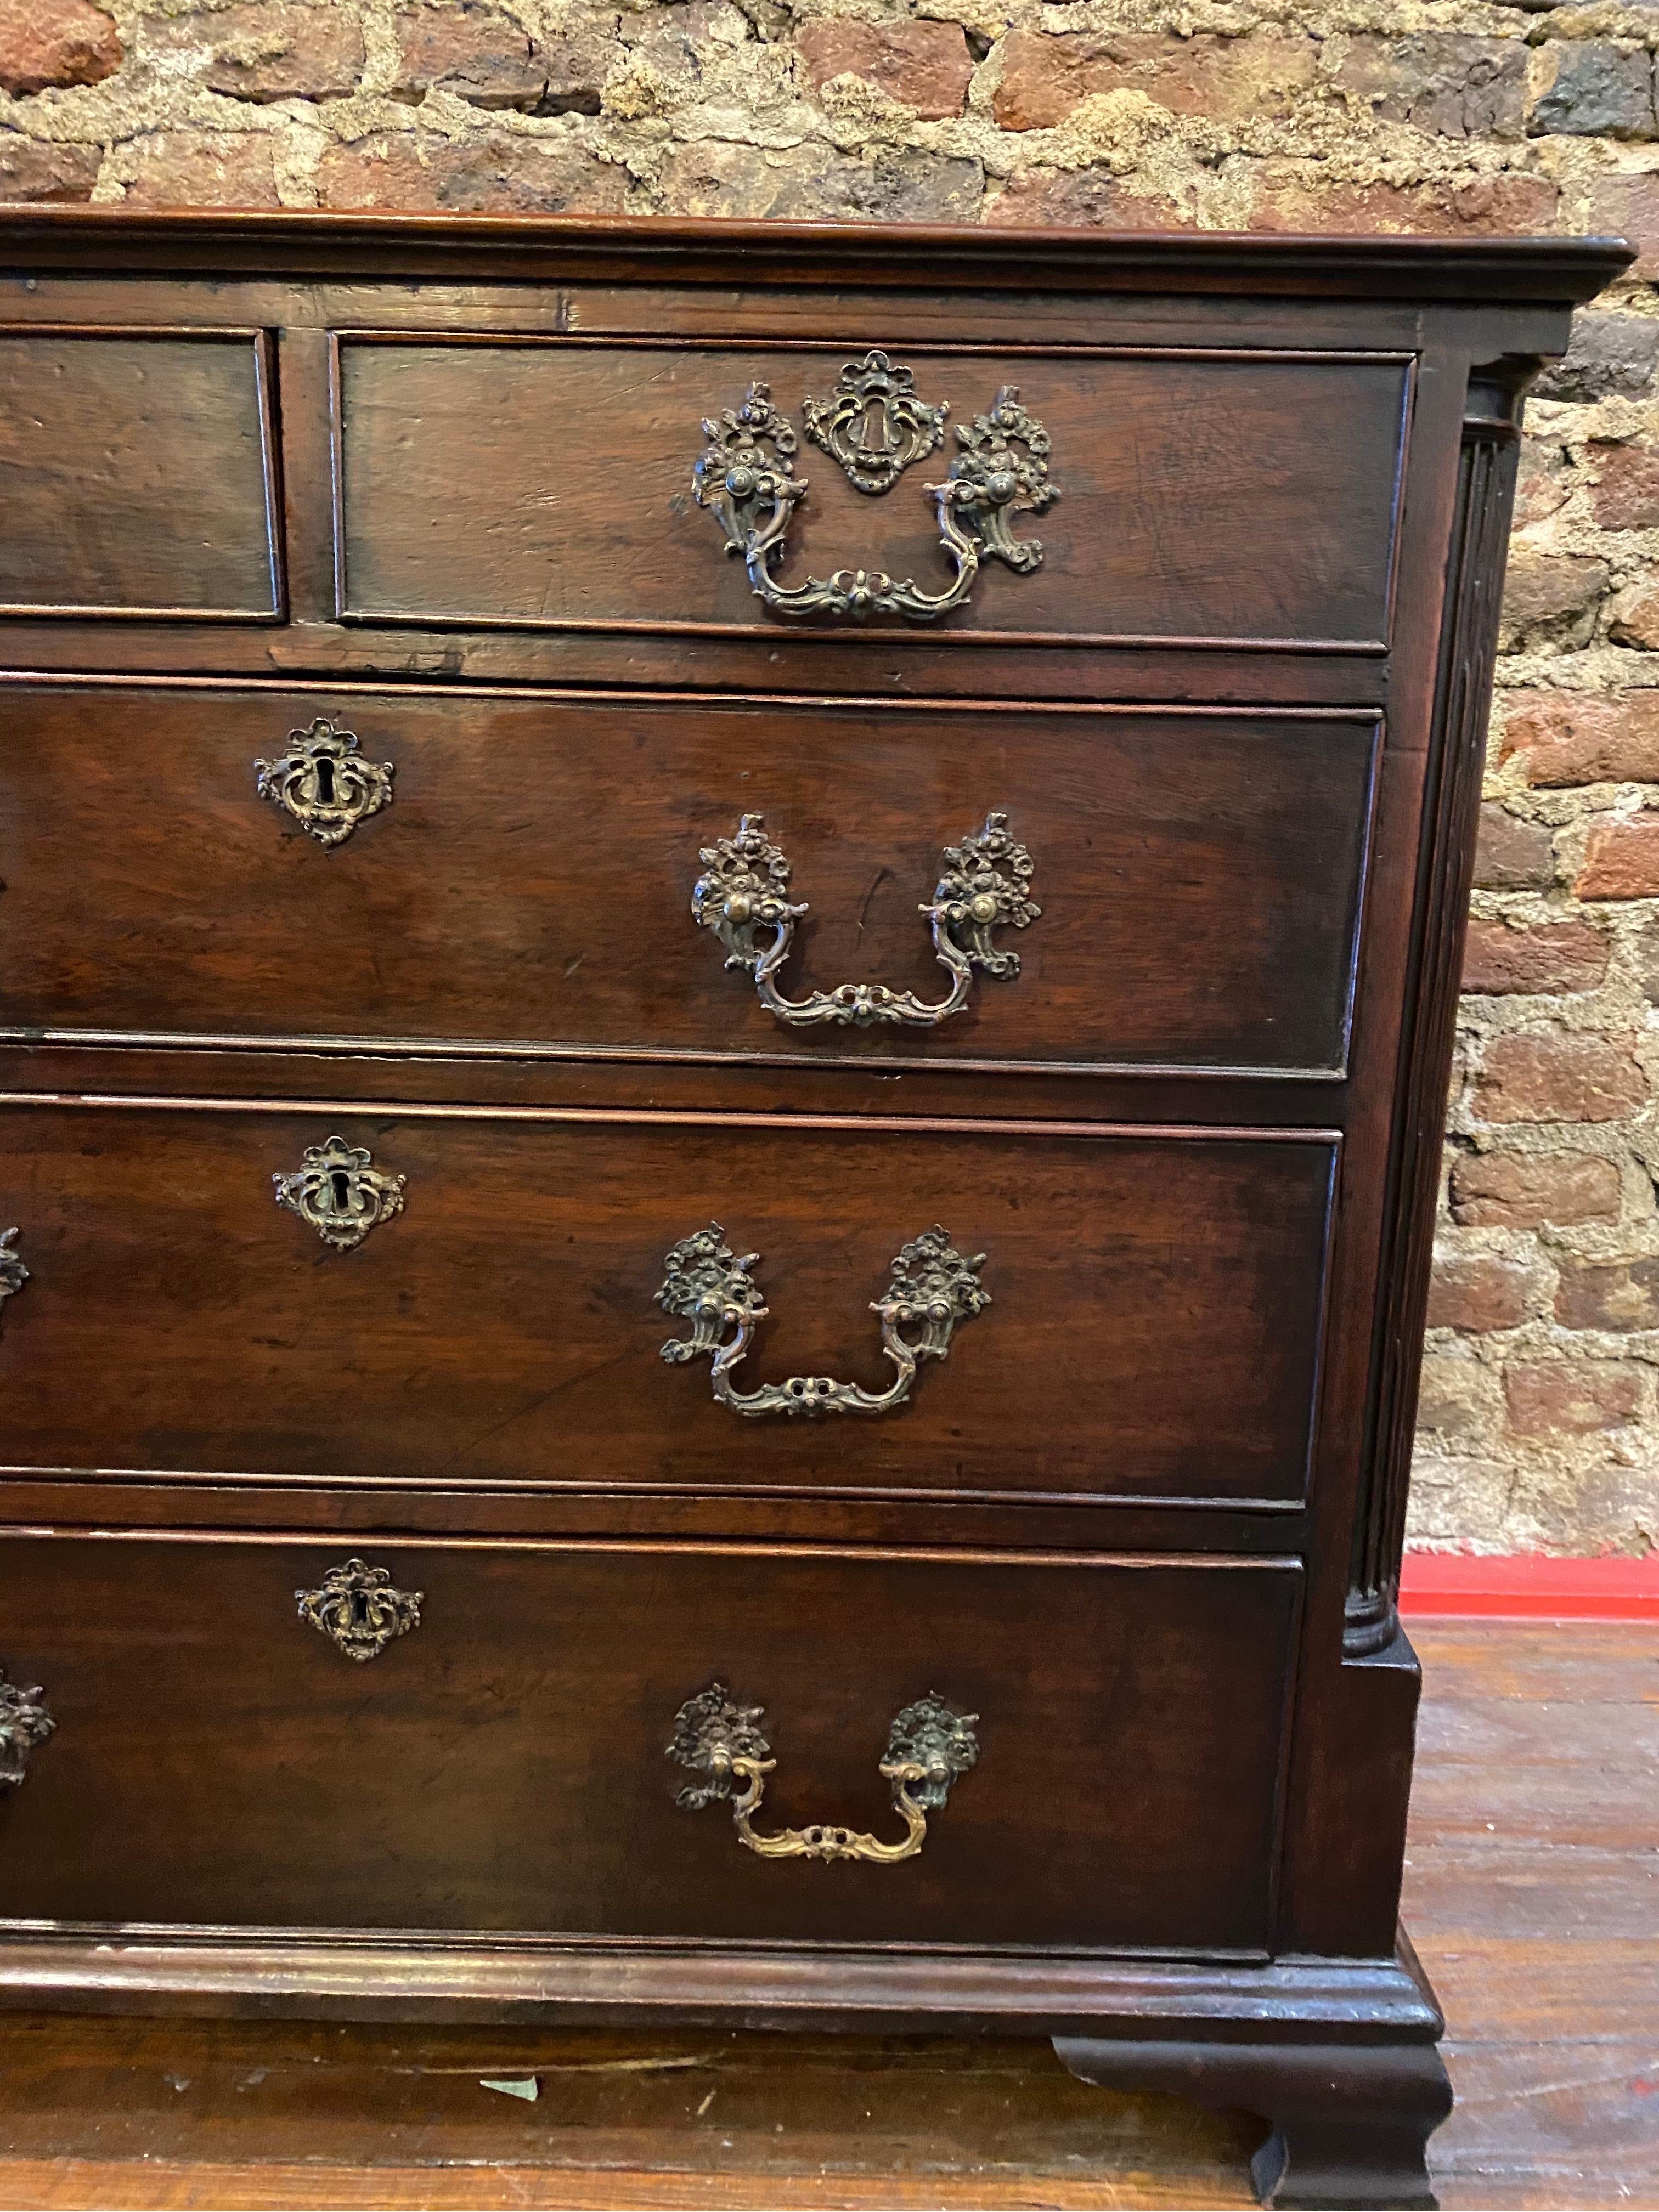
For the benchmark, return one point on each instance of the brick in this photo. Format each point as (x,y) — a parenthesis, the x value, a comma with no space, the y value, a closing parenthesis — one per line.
(1609,355)
(1558,738)
(813,182)
(32,169)
(1511,855)
(416,171)
(1572,1397)
(1448,85)
(1511,1190)
(1647,958)
(1562,956)
(1480,207)
(1628,205)
(204,169)
(1479,1294)
(1551,598)
(1596,92)
(1045,76)
(1045,197)
(1621,859)
(1543,482)
(260,53)
(1633,618)
(1626,494)
(1454,1396)
(1621,1298)
(474,51)
(925,64)
(1556,1075)
(55,42)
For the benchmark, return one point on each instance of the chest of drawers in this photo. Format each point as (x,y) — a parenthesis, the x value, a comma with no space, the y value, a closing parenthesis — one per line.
(727,970)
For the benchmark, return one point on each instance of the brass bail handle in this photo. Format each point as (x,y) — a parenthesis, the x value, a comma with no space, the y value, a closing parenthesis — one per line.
(984,885)
(933,1288)
(721,1740)
(875,426)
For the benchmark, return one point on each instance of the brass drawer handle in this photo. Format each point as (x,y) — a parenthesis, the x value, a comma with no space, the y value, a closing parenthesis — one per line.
(13,1273)
(933,1288)
(357,1608)
(324,783)
(984,884)
(745,476)
(25,1724)
(928,1745)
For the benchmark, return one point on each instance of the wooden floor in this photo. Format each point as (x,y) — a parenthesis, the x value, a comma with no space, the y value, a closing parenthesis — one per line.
(1533,1895)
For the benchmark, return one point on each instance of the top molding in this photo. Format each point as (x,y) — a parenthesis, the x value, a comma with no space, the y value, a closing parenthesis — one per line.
(1563,271)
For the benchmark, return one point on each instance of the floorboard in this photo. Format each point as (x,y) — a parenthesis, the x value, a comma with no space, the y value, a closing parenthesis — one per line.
(1532,1895)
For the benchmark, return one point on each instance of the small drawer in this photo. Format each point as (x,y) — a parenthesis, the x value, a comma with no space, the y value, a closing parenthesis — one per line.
(1027,888)
(481,1736)
(141,475)
(465,1298)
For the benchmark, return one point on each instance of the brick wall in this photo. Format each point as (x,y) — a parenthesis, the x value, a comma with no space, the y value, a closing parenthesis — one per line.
(1449,115)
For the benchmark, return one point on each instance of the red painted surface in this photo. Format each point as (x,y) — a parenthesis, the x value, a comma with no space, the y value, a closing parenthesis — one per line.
(1528,1586)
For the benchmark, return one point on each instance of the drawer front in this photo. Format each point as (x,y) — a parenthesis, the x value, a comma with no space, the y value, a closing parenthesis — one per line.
(494,870)
(501,1764)
(140,475)
(1152,1326)
(1202,497)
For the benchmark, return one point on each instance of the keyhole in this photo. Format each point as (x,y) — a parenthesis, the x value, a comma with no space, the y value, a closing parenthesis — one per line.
(325,782)
(340,1184)
(872,431)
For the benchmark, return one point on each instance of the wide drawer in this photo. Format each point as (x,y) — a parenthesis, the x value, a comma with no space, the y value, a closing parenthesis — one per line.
(1203,496)
(499,1764)
(494,870)
(1153,1323)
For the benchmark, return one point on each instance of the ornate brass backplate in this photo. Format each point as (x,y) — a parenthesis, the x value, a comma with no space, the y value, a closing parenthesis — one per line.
(933,1288)
(874,423)
(340,1192)
(984,885)
(928,1745)
(324,783)
(746,478)
(25,1724)
(356,1607)
(13,1273)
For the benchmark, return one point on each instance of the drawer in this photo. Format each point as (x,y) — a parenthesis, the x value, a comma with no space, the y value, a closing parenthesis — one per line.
(488,871)
(501,1764)
(1203,496)
(141,475)
(1152,1327)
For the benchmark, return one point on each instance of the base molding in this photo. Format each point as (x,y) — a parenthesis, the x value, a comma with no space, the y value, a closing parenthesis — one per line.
(1350,2122)
(458,1977)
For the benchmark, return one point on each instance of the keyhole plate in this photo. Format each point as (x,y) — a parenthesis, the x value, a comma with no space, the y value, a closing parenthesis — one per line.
(337,1188)
(324,783)
(873,423)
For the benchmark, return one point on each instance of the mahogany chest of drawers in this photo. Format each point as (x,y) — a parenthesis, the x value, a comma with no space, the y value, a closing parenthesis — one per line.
(726,968)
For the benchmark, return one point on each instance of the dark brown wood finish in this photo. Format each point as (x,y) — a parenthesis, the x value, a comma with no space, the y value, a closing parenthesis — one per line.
(501,1766)
(1232,715)
(1181,515)
(1153,1330)
(1199,875)
(109,509)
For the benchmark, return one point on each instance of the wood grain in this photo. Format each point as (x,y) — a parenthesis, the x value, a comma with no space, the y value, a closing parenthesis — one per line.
(1181,515)
(1154,1326)
(1199,875)
(502,1765)
(138,473)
